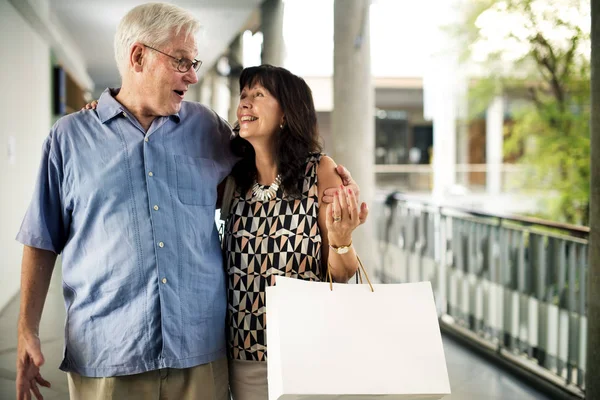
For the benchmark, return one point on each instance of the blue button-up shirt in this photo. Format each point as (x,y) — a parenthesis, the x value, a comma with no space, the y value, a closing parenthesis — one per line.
(133,214)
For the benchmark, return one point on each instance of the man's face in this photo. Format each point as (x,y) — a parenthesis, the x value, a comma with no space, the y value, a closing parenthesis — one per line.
(164,86)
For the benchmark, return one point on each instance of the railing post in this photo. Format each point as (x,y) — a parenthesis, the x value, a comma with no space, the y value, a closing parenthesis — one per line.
(572,350)
(583,262)
(563,324)
(443,276)
(506,268)
(526,334)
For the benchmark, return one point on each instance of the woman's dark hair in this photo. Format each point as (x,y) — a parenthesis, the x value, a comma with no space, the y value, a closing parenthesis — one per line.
(295,142)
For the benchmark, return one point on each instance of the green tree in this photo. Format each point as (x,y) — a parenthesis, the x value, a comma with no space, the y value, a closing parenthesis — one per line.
(538,51)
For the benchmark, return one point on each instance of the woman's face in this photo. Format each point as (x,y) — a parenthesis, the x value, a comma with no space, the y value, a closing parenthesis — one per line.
(259,113)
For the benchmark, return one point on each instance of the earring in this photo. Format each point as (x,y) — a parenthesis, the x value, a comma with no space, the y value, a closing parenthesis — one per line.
(281,126)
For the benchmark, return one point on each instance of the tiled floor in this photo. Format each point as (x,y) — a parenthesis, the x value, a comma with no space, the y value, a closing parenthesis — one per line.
(471,378)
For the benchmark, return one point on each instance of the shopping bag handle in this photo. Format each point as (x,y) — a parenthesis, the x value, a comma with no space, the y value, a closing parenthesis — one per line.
(361,266)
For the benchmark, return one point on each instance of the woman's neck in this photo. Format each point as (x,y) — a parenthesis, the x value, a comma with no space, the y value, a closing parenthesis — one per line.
(266,167)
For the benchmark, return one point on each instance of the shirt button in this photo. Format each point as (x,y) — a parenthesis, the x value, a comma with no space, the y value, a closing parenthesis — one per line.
(164,280)
(155,208)
(124,114)
(145,139)
(161,244)
(150,173)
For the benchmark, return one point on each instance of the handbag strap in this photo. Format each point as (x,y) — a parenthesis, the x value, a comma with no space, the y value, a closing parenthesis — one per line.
(227,198)
(359,275)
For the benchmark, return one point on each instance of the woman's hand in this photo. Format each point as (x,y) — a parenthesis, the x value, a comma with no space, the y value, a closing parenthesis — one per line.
(343,216)
(348,182)
(91,106)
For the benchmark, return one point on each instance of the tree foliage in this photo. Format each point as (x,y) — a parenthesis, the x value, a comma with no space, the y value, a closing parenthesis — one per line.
(537,51)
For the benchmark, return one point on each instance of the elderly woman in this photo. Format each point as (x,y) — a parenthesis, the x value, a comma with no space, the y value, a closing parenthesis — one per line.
(278,224)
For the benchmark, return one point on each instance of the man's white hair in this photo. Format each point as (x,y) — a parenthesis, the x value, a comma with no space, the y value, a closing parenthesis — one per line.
(152,24)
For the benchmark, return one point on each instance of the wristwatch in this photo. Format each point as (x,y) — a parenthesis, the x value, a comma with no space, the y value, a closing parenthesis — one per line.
(341,249)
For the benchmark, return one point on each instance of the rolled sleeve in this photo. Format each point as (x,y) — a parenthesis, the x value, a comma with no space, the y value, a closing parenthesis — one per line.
(45,224)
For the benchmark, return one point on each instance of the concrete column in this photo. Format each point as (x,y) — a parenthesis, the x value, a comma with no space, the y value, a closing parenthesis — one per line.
(273,47)
(236,57)
(444,139)
(206,88)
(214,89)
(462,152)
(462,136)
(444,84)
(592,383)
(193,93)
(219,94)
(494,142)
(353,123)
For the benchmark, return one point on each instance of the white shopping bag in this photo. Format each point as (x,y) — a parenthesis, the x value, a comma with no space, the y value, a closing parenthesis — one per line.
(350,342)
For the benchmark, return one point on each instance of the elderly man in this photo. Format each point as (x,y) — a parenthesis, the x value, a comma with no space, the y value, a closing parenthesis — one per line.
(127,194)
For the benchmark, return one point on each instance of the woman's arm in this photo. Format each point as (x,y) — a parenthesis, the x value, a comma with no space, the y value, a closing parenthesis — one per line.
(337,221)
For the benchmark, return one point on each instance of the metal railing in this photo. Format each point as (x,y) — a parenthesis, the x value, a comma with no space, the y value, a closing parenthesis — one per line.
(516,284)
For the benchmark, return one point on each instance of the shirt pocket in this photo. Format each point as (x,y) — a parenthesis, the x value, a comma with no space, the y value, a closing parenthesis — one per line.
(196,180)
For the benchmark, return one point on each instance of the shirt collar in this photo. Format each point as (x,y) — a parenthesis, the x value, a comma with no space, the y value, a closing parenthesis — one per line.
(109,108)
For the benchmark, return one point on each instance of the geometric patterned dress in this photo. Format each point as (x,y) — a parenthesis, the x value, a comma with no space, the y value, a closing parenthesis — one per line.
(263,240)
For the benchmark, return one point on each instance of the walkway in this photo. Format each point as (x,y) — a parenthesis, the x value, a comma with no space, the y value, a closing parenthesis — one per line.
(471,377)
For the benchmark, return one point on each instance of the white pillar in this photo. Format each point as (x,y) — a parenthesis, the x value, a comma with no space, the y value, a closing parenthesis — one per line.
(206,89)
(353,123)
(444,138)
(272,28)
(444,84)
(462,134)
(219,94)
(194,91)
(494,154)
(236,57)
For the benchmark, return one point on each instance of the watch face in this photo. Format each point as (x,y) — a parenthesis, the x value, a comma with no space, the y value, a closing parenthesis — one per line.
(342,250)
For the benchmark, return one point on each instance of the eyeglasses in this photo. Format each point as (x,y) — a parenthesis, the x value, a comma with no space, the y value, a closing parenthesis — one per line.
(183,64)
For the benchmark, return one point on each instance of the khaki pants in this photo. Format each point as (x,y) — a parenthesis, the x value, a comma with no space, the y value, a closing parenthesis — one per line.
(248,380)
(204,382)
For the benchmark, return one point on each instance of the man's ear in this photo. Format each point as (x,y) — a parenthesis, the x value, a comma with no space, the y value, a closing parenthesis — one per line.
(137,56)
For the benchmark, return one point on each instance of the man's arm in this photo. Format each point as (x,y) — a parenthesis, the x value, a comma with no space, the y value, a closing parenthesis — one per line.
(329,193)
(36,272)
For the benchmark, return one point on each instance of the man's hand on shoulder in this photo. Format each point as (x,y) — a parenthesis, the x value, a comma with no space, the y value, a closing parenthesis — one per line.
(329,193)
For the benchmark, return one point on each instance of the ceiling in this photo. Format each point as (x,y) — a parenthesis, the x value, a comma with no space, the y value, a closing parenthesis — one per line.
(91,24)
